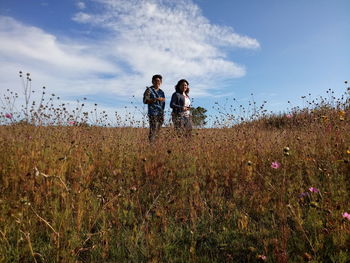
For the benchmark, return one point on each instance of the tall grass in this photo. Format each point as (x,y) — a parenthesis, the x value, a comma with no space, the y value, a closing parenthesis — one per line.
(274,189)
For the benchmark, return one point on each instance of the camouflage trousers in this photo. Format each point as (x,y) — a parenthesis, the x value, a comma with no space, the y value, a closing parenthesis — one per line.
(155,123)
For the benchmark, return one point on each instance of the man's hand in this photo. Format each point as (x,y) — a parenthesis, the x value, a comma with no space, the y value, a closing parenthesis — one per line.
(153,100)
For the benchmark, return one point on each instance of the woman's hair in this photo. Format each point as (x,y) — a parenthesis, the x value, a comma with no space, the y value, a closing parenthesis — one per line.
(179,84)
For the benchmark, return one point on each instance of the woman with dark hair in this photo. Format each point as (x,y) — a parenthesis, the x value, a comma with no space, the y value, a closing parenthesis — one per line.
(181,103)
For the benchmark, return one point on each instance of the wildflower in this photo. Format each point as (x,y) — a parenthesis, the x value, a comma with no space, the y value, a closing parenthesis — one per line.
(348,151)
(346,215)
(275,165)
(341,115)
(314,204)
(8,116)
(304,194)
(289,116)
(307,256)
(261,257)
(324,118)
(314,190)
(286,151)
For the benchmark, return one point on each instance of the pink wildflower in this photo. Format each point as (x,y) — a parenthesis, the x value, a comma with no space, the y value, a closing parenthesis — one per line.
(71,122)
(346,215)
(275,165)
(305,194)
(8,116)
(261,257)
(289,116)
(314,190)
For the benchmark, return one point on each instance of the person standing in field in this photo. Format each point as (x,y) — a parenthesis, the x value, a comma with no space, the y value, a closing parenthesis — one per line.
(154,97)
(181,104)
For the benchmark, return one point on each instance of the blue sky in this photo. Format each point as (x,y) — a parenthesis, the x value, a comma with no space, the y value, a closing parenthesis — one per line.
(108,50)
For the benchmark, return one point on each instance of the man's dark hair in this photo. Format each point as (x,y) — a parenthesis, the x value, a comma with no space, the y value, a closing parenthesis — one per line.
(157,77)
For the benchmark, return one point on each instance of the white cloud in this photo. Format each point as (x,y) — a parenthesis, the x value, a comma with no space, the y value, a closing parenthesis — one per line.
(80,5)
(172,38)
(144,37)
(21,43)
(68,68)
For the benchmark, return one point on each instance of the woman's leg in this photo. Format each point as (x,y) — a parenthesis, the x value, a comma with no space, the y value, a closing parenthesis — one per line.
(176,121)
(187,126)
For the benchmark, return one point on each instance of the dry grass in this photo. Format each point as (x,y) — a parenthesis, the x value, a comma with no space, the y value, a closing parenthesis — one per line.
(93,194)
(270,190)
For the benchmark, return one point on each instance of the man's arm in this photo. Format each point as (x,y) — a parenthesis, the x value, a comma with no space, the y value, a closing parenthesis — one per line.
(147,97)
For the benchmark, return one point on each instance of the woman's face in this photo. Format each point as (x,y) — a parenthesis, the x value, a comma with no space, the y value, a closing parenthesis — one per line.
(184,86)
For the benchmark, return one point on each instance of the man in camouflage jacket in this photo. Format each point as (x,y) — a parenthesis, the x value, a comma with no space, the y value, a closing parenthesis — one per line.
(154,97)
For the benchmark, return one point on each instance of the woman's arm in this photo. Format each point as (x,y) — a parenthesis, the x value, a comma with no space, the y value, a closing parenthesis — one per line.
(175,102)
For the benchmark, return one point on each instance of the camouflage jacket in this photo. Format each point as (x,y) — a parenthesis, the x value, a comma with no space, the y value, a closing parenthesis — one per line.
(154,107)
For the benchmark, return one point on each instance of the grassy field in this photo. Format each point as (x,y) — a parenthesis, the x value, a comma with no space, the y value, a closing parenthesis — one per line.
(272,190)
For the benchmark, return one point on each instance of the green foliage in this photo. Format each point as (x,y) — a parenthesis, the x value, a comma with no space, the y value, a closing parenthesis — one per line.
(198,116)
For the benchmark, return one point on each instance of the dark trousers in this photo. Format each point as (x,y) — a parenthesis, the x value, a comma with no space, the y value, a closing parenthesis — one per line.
(182,124)
(155,123)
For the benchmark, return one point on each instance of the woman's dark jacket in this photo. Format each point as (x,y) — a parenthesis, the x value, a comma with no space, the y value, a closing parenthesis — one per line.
(177,102)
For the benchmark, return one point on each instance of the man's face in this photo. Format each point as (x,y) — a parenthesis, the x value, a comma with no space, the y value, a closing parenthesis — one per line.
(157,82)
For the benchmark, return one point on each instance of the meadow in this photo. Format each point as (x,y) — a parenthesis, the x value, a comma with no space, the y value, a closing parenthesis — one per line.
(273,189)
